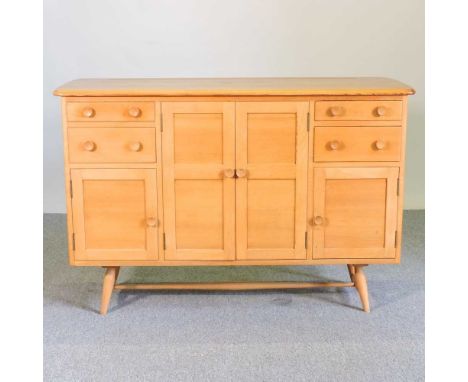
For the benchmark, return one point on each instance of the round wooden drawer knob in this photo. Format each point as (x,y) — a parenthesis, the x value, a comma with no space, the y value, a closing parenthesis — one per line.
(229,173)
(379,145)
(318,220)
(88,112)
(136,146)
(134,112)
(241,173)
(334,145)
(89,146)
(380,111)
(336,111)
(151,222)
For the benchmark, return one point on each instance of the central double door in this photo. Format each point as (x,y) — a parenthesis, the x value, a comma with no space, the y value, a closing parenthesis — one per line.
(235,180)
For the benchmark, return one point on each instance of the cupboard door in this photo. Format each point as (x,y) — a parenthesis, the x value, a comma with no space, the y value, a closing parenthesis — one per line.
(198,179)
(115,214)
(271,188)
(355,213)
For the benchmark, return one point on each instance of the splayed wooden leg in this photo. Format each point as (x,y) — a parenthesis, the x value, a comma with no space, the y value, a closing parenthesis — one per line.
(351,271)
(360,283)
(107,287)
(116,275)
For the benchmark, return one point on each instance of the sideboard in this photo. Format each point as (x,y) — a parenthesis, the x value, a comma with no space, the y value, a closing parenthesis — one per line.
(238,171)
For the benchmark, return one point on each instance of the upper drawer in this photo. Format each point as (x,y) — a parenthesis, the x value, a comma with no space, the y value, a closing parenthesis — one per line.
(358,110)
(354,144)
(110,111)
(112,145)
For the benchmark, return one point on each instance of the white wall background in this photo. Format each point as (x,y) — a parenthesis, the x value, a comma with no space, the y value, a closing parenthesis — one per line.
(243,38)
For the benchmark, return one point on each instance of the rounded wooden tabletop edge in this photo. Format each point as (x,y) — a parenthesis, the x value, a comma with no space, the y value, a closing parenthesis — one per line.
(61,92)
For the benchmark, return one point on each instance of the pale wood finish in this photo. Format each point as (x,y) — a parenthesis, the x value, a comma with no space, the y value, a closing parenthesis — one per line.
(271,189)
(67,176)
(343,144)
(234,286)
(107,145)
(295,171)
(351,271)
(286,173)
(355,86)
(358,110)
(270,262)
(117,271)
(108,111)
(110,212)
(401,183)
(199,200)
(110,277)
(359,210)
(360,282)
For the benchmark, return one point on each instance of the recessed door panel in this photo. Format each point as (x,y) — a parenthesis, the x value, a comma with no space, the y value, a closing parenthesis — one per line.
(355,211)
(115,214)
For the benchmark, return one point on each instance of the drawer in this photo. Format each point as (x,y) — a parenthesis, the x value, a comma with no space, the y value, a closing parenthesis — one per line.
(341,144)
(358,110)
(107,145)
(110,111)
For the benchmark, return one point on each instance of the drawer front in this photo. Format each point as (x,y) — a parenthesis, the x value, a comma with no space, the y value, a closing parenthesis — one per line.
(112,145)
(110,111)
(374,144)
(358,110)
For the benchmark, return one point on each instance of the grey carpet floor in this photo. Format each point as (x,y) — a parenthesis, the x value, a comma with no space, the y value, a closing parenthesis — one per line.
(317,335)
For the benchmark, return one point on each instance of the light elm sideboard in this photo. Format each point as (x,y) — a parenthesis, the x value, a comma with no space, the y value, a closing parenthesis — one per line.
(253,171)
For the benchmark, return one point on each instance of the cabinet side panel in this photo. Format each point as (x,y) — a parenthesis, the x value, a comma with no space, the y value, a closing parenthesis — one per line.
(68,184)
(401,178)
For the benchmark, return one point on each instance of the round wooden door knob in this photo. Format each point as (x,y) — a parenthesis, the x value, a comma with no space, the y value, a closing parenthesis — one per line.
(136,146)
(229,173)
(334,145)
(88,112)
(336,111)
(379,145)
(151,222)
(89,146)
(318,220)
(134,112)
(241,173)
(380,111)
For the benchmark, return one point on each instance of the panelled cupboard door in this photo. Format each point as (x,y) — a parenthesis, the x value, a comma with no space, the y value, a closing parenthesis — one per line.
(198,180)
(354,213)
(115,214)
(271,184)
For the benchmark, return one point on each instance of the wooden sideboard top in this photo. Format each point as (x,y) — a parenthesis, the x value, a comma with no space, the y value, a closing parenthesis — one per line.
(310,86)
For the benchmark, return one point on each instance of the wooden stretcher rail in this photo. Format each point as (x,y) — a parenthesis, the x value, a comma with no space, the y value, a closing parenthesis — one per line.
(233,286)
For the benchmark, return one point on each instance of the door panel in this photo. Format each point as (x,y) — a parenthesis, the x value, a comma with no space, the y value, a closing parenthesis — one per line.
(115,214)
(356,210)
(271,155)
(270,216)
(199,213)
(199,200)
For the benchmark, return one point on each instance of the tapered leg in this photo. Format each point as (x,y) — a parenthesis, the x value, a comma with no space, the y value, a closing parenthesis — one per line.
(360,283)
(351,271)
(108,287)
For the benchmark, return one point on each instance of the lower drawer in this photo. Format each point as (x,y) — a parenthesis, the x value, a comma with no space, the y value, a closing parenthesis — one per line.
(363,143)
(112,145)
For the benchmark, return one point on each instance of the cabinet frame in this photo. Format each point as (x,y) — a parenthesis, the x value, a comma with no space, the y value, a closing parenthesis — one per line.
(158,100)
